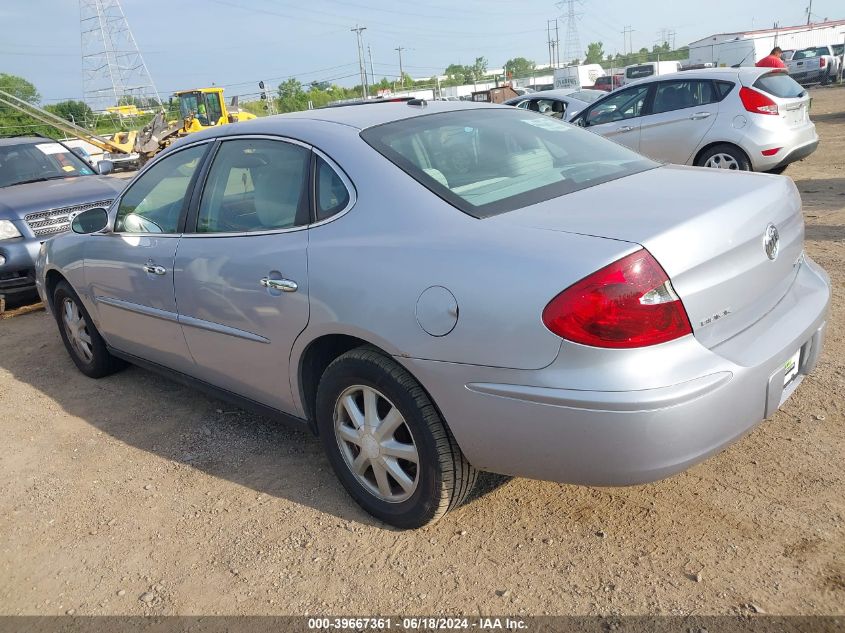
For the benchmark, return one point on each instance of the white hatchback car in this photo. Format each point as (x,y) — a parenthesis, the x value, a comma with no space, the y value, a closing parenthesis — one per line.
(755,119)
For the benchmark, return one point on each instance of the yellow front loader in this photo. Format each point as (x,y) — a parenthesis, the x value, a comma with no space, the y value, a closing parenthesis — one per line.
(199,109)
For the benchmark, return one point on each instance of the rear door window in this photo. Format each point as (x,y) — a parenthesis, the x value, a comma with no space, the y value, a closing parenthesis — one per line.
(677,95)
(780,85)
(255,185)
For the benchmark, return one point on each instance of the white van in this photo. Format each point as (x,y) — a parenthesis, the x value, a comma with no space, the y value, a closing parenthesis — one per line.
(649,69)
(577,77)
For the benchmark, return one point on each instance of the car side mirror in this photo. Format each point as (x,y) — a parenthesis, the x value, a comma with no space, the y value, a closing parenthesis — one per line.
(105,167)
(90,221)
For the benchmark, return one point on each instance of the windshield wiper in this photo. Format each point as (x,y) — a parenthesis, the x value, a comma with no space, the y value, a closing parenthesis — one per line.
(39,179)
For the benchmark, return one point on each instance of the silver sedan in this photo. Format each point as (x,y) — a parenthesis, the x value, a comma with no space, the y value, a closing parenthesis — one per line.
(438,289)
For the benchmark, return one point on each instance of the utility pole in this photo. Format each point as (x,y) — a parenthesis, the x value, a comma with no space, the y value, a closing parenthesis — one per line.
(399,49)
(372,72)
(557,46)
(550,43)
(810,12)
(627,40)
(365,92)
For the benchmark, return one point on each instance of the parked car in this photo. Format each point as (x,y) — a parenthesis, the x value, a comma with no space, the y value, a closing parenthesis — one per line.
(816,64)
(437,289)
(731,118)
(561,104)
(608,83)
(42,185)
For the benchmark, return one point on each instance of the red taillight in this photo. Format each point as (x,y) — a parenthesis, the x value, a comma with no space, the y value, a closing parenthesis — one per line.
(630,303)
(822,62)
(757,102)
(771,152)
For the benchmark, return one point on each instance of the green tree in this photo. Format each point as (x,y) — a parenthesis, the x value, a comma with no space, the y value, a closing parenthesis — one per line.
(75,111)
(519,67)
(479,68)
(19,87)
(13,122)
(292,96)
(458,74)
(594,53)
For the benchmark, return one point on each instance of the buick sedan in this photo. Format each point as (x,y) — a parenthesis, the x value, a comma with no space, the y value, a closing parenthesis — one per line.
(438,289)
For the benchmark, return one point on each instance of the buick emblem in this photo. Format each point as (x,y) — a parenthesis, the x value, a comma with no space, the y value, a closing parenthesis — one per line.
(771,241)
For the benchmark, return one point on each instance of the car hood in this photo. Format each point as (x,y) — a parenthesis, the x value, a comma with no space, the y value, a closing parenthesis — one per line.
(18,200)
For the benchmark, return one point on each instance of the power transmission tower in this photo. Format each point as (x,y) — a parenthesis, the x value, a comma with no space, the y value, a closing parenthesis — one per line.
(572,44)
(365,91)
(399,49)
(113,70)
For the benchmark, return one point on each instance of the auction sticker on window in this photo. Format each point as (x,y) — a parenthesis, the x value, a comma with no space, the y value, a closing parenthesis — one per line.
(547,123)
(51,148)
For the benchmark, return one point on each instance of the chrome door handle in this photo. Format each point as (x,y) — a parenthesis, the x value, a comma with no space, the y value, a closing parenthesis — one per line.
(154,269)
(625,128)
(700,115)
(285,285)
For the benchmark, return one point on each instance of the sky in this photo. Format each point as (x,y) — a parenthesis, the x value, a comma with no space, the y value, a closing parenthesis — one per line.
(236,43)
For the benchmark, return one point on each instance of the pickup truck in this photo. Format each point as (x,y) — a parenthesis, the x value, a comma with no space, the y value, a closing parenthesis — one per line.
(814,64)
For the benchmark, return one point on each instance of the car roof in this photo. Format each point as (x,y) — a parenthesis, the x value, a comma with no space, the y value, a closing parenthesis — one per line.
(359,117)
(746,74)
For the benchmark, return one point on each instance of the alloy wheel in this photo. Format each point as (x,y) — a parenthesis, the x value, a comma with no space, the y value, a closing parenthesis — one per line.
(77,330)
(376,443)
(722,161)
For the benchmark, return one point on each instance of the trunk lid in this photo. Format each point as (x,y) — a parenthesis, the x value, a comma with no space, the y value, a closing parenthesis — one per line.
(792,99)
(706,227)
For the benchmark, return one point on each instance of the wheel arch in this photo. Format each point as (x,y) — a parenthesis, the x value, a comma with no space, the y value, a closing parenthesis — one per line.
(710,146)
(318,354)
(51,279)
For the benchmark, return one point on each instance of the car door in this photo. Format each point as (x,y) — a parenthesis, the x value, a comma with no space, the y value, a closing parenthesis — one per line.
(682,113)
(241,270)
(617,116)
(129,270)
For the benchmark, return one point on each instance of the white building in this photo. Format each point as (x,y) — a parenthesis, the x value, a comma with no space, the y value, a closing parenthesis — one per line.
(747,48)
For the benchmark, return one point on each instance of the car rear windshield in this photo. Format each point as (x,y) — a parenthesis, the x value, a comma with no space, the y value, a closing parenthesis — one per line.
(491,161)
(638,72)
(809,53)
(779,85)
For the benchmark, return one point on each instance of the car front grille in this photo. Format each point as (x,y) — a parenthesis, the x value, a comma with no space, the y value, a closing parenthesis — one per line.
(52,221)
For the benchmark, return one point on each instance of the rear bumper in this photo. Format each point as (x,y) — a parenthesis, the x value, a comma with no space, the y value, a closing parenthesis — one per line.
(637,424)
(799,153)
(795,144)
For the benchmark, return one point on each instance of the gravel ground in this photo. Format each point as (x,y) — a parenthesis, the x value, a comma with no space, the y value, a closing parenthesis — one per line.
(134,495)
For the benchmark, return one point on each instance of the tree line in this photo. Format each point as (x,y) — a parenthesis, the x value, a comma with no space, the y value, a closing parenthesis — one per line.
(292,95)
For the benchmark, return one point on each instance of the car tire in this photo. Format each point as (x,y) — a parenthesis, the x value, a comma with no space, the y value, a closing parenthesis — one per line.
(83,342)
(777,170)
(724,156)
(360,395)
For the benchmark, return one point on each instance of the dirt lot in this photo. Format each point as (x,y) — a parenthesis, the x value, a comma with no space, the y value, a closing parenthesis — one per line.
(134,495)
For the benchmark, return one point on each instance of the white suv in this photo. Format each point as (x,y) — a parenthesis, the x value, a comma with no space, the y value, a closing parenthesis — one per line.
(731,118)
